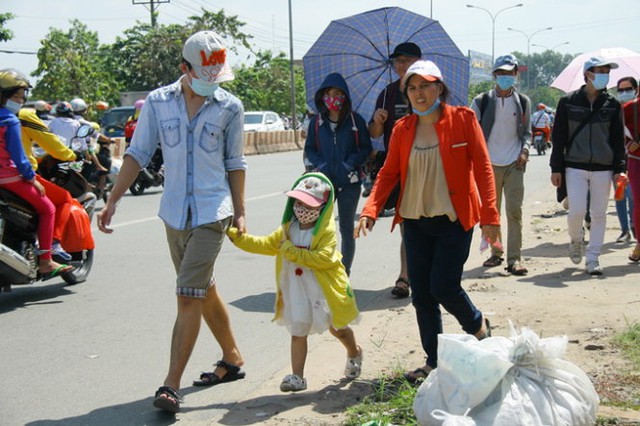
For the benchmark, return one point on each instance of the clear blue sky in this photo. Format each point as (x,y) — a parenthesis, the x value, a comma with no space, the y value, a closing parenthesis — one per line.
(586,24)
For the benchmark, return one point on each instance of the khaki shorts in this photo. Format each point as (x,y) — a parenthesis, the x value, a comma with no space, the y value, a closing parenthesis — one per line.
(194,252)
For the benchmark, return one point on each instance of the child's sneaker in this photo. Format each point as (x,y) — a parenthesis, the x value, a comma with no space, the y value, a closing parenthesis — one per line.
(293,383)
(354,366)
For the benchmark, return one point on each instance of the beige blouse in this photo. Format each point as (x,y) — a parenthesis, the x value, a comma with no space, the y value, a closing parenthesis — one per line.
(426,193)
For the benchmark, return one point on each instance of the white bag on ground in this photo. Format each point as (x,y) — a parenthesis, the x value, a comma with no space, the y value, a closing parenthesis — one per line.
(522,380)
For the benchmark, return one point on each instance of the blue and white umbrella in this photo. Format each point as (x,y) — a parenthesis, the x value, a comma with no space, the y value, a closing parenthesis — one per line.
(358,47)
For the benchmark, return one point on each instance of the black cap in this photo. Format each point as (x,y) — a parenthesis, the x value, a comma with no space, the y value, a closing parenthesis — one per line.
(406,49)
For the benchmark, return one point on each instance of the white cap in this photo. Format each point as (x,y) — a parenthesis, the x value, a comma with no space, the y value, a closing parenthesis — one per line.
(426,69)
(208,57)
(312,191)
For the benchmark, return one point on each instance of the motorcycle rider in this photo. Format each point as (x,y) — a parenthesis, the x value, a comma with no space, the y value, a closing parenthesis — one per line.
(132,122)
(43,110)
(34,131)
(16,173)
(66,126)
(79,107)
(541,122)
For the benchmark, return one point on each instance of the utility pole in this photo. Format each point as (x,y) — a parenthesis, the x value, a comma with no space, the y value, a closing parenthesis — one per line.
(294,119)
(153,5)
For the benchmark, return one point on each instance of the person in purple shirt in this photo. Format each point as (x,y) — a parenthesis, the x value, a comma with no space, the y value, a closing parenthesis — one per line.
(199,128)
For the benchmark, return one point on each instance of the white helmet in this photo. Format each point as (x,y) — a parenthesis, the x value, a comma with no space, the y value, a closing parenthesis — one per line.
(78,105)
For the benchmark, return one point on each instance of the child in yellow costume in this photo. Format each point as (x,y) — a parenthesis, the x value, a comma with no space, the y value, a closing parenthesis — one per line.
(313,291)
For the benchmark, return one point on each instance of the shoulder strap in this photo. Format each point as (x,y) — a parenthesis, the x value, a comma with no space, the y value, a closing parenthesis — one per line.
(484,101)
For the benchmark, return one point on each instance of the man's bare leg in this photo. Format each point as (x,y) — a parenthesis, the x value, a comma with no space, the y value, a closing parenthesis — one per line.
(183,339)
(216,316)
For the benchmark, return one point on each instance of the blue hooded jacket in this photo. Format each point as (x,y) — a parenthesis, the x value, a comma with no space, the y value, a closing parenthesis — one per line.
(11,144)
(337,153)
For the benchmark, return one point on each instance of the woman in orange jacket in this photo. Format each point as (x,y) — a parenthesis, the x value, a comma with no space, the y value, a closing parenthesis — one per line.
(439,156)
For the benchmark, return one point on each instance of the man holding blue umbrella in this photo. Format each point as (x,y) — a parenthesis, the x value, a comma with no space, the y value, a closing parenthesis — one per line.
(391,106)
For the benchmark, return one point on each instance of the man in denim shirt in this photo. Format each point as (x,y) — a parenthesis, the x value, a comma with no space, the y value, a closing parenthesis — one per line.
(199,127)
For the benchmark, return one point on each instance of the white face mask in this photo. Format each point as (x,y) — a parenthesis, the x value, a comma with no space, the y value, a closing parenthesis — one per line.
(13,106)
(202,88)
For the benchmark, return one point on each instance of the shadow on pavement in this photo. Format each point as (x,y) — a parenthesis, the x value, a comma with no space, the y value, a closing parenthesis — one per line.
(135,413)
(263,408)
(31,295)
(368,300)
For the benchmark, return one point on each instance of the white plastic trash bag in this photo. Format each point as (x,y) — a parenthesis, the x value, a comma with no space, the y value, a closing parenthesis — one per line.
(522,380)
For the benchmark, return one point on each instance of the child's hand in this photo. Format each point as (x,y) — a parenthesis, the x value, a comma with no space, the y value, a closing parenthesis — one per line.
(232,233)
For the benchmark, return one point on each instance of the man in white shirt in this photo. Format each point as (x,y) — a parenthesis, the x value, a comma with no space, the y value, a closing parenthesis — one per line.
(504,116)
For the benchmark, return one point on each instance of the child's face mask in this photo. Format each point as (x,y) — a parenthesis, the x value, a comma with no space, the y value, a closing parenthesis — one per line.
(334,103)
(305,214)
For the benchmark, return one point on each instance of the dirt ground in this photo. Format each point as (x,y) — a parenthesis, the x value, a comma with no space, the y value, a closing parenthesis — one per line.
(556,298)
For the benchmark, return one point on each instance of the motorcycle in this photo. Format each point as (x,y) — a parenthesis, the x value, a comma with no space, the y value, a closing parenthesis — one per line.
(539,142)
(18,234)
(150,176)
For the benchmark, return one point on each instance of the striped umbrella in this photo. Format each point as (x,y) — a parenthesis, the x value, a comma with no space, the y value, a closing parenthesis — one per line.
(358,47)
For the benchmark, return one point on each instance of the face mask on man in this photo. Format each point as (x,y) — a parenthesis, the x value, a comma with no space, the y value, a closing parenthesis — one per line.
(13,106)
(505,82)
(600,81)
(201,87)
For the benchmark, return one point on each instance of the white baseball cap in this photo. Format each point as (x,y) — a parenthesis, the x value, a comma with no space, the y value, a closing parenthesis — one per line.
(426,69)
(208,57)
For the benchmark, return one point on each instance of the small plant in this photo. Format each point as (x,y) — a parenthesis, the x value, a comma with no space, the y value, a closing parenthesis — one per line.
(629,342)
(390,403)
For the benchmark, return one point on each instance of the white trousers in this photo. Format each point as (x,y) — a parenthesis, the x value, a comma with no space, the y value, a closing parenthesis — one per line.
(597,186)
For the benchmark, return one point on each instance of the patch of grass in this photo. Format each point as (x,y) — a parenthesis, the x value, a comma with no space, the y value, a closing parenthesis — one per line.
(629,342)
(391,403)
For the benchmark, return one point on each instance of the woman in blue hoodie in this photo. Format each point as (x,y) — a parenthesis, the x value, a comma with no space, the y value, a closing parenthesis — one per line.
(337,145)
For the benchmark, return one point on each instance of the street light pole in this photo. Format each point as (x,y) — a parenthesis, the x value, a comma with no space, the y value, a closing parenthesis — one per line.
(529,48)
(493,24)
(550,48)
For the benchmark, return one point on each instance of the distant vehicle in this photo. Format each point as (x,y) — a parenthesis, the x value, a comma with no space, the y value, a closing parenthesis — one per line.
(113,121)
(262,121)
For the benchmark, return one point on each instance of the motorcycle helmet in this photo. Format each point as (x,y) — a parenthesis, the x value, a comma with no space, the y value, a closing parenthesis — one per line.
(42,106)
(64,109)
(102,105)
(138,104)
(78,105)
(11,81)
(542,107)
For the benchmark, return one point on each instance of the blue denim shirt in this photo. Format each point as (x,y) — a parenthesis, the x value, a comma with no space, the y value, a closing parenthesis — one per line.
(197,153)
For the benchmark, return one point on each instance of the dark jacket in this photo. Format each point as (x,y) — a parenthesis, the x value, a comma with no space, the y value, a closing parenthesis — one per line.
(599,145)
(337,154)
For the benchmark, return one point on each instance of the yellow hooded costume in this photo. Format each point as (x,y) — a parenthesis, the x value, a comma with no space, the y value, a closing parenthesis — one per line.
(322,257)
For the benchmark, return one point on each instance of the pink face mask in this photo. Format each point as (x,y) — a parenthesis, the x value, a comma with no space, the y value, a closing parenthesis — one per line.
(334,103)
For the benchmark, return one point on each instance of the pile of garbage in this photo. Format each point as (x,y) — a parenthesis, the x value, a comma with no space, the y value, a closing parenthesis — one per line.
(499,381)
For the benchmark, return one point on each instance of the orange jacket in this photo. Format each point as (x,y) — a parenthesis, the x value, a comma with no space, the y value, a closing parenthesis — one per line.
(466,163)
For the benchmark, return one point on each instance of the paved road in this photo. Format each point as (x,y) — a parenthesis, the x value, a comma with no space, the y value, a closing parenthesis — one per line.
(93,354)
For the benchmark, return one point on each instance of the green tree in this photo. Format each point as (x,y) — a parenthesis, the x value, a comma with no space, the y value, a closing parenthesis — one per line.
(146,58)
(5,33)
(540,71)
(266,84)
(73,64)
